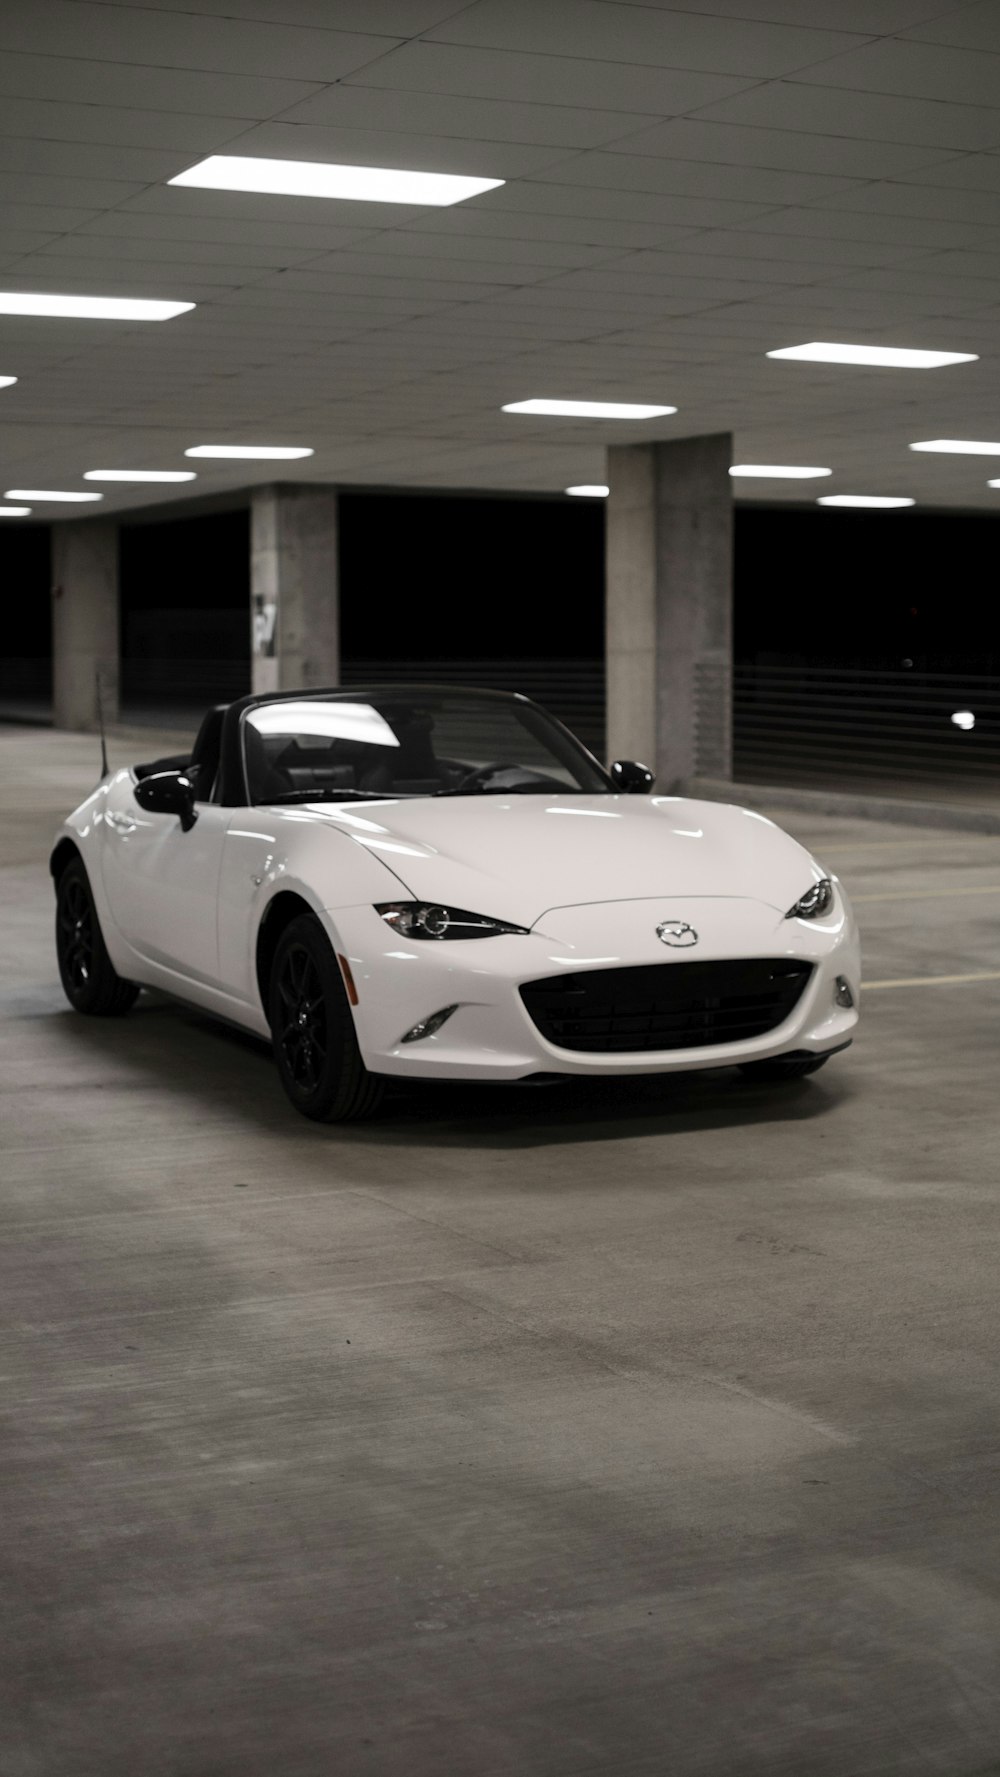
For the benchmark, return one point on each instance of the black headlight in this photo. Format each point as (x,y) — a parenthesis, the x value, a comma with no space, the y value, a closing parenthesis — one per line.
(427,919)
(815,902)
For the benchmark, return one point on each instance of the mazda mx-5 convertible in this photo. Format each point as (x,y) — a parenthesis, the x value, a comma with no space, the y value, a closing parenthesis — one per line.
(444,884)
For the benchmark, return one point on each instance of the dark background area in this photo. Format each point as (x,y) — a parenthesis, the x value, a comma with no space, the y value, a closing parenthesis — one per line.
(441,577)
(25,586)
(867,589)
(428,577)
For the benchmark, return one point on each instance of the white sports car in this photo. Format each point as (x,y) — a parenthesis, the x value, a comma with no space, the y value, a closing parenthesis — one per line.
(445,884)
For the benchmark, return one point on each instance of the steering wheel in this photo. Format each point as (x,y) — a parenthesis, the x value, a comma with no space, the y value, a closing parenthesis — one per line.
(519,777)
(480,776)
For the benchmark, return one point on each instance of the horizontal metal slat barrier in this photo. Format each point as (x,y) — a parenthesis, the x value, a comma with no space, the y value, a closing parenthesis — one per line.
(832,725)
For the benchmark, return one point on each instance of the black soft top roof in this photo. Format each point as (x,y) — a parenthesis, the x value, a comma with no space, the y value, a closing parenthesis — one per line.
(232,785)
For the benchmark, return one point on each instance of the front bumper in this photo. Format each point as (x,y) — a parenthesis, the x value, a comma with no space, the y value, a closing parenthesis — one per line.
(491,1035)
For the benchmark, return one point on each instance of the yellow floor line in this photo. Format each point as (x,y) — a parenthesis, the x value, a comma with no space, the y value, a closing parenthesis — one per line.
(933,980)
(927,894)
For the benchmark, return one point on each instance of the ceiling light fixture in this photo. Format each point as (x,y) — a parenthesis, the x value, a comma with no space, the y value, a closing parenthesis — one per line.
(277,452)
(588,491)
(318,178)
(588,410)
(960,447)
(90,308)
(33,493)
(825,351)
(5,381)
(140,475)
(777,472)
(878,500)
(14,511)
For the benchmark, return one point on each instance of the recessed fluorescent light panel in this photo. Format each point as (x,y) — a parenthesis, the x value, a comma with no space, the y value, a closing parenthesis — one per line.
(5,381)
(318,178)
(777,472)
(266,452)
(824,351)
(590,490)
(589,410)
(876,500)
(14,511)
(34,493)
(140,475)
(960,447)
(90,308)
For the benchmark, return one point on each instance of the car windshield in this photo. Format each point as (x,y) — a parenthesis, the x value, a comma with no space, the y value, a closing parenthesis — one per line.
(401,743)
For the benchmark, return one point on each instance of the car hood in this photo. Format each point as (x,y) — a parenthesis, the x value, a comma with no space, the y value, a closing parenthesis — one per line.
(516,857)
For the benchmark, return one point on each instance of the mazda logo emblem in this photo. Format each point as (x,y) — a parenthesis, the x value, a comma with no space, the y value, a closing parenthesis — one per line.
(675,932)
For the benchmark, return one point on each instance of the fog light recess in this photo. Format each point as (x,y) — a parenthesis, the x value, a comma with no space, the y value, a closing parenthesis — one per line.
(428,1026)
(842,993)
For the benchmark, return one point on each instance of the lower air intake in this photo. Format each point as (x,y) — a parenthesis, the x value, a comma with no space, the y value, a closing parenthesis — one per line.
(665,1005)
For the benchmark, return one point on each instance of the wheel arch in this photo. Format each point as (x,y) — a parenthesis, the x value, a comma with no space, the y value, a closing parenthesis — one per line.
(278,915)
(63,853)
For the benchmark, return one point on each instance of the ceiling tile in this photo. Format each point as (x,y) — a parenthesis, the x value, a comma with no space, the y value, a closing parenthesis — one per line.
(915,70)
(445,114)
(163,89)
(78,160)
(685,178)
(395,18)
(964,27)
(880,117)
(655,38)
(731,145)
(47,123)
(551,80)
(636,206)
(144,37)
(871,17)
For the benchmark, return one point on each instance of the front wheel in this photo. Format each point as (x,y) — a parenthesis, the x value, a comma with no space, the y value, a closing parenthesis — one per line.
(314,1042)
(783,1067)
(90,981)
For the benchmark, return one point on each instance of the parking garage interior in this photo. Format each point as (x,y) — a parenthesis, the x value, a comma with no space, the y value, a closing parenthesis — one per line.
(589,1427)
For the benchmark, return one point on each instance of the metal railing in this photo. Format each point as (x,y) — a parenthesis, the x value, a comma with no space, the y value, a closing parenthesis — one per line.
(845,725)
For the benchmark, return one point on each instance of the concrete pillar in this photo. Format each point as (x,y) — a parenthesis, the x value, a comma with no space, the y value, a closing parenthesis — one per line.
(669,607)
(295,615)
(84,622)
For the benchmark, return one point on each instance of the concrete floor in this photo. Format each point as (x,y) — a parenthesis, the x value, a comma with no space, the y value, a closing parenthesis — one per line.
(635,1431)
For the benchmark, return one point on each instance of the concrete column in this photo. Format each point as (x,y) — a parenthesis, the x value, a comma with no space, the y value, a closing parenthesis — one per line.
(295,615)
(84,622)
(669,607)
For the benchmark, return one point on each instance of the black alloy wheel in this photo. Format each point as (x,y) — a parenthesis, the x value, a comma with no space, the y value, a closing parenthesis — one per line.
(90,981)
(313,1031)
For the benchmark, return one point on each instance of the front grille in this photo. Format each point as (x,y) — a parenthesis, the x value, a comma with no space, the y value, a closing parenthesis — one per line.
(665,1005)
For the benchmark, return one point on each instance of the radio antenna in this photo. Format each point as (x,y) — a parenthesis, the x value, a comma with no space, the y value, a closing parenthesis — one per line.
(100,724)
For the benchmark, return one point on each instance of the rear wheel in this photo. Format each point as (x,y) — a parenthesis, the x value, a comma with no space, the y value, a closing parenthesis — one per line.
(783,1067)
(90,981)
(314,1042)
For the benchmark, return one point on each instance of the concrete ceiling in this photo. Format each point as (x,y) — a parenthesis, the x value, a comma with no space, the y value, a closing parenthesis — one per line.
(687,186)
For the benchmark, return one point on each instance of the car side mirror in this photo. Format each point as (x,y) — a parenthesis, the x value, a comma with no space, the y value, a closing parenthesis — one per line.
(168,792)
(632,778)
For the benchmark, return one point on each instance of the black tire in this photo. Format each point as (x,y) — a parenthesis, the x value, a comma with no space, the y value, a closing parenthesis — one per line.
(90,981)
(783,1067)
(315,1047)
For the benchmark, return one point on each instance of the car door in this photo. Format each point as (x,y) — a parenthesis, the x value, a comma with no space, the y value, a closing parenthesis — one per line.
(162,885)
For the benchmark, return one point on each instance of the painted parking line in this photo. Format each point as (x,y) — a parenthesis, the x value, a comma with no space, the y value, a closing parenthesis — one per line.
(932,980)
(943,894)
